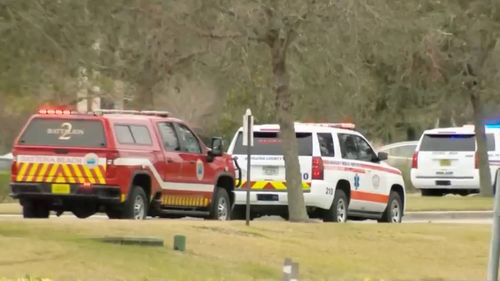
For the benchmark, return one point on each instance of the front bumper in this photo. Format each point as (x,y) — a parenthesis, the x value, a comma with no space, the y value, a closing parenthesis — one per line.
(100,193)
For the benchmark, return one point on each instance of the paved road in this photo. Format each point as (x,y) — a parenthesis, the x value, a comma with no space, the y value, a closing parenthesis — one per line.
(462,217)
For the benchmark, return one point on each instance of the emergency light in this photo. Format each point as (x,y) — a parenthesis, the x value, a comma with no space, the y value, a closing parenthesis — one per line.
(492,124)
(349,126)
(58,110)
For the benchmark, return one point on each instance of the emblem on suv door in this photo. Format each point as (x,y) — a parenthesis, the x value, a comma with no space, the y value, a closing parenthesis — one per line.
(199,169)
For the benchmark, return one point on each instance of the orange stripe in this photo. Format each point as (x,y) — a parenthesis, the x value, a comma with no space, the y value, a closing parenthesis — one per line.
(34,172)
(26,174)
(41,173)
(68,174)
(367,196)
(78,173)
(52,172)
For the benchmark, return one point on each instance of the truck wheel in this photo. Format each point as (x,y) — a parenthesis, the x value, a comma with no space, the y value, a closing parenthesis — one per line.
(33,209)
(136,206)
(394,211)
(221,206)
(28,209)
(338,210)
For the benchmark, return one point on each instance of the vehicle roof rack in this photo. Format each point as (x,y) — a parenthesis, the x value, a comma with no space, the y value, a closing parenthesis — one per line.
(134,112)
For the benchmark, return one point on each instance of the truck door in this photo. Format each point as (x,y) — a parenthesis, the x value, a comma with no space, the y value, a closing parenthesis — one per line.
(170,169)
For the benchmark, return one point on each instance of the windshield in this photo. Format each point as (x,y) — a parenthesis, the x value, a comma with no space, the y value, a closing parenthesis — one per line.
(269,143)
(64,132)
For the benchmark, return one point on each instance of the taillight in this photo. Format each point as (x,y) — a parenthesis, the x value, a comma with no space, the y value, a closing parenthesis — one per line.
(317,168)
(414,160)
(13,168)
(110,165)
(476,160)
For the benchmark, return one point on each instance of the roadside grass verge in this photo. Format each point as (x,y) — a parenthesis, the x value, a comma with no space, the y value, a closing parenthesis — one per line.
(13,208)
(415,202)
(64,249)
(4,186)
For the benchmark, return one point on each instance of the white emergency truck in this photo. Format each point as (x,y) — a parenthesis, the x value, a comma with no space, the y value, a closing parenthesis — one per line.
(446,161)
(342,176)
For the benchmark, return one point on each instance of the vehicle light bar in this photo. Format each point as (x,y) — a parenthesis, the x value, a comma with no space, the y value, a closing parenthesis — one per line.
(349,126)
(135,112)
(493,126)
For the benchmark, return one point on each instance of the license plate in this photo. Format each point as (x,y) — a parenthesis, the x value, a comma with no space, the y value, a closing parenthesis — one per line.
(270,170)
(444,162)
(59,188)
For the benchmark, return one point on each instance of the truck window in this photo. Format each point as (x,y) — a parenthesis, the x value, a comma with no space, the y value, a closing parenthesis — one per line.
(64,132)
(454,142)
(169,137)
(356,148)
(123,134)
(490,142)
(189,141)
(133,134)
(326,144)
(269,143)
(141,134)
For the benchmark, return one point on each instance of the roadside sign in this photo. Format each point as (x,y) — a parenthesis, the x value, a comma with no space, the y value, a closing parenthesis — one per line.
(248,142)
(248,128)
(492,274)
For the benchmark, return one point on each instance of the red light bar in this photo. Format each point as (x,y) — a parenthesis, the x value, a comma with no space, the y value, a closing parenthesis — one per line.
(56,109)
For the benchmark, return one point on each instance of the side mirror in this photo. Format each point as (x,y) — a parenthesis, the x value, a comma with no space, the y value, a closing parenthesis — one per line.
(216,148)
(382,156)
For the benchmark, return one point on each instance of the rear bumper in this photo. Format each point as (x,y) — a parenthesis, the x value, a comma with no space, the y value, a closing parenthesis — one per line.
(100,194)
(421,182)
(315,197)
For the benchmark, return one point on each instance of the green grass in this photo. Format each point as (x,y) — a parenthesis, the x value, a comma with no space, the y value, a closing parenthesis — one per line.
(62,249)
(4,186)
(416,202)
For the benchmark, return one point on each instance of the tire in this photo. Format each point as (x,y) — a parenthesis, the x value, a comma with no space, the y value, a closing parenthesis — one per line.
(33,209)
(136,206)
(394,211)
(221,206)
(431,192)
(338,210)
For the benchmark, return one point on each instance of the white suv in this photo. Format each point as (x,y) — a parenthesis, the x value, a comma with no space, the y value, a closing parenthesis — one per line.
(342,175)
(445,160)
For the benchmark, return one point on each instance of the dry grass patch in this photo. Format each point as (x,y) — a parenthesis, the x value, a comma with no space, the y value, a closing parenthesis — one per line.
(415,202)
(10,208)
(62,249)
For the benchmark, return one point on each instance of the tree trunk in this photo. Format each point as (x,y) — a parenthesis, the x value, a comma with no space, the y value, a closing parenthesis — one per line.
(284,108)
(484,166)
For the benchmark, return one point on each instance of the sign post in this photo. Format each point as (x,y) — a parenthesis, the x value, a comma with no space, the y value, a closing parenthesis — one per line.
(248,142)
(493,261)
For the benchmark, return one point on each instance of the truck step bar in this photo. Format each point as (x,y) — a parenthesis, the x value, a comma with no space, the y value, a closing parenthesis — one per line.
(183,212)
